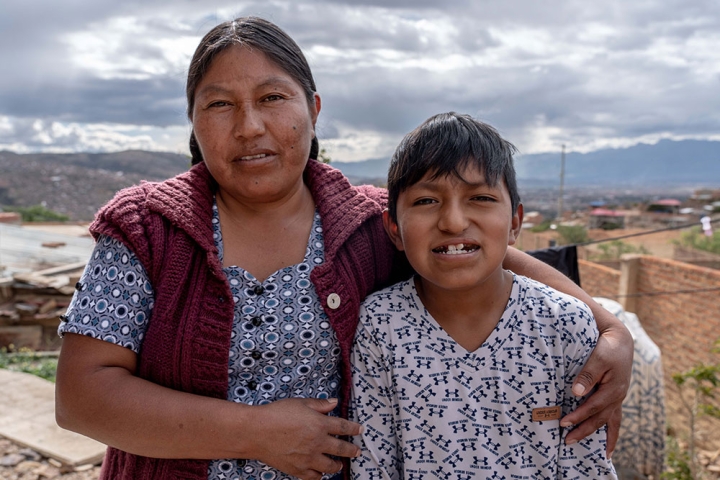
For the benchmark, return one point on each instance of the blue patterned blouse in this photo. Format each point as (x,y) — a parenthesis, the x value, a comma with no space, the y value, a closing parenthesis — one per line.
(282,344)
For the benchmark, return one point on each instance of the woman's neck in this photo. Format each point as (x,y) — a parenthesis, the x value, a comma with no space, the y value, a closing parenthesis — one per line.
(262,238)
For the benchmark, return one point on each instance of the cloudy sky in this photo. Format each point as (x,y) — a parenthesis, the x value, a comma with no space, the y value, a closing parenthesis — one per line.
(108,75)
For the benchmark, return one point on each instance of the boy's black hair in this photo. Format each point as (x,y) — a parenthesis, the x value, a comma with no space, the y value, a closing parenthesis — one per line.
(445,144)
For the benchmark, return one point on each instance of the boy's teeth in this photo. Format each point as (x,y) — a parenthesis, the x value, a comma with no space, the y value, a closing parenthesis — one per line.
(453,249)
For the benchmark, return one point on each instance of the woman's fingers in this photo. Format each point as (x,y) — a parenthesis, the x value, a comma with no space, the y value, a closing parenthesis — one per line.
(609,368)
(340,426)
(593,423)
(341,448)
(297,436)
(613,431)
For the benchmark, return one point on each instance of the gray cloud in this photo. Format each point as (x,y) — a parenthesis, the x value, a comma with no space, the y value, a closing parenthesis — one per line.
(588,74)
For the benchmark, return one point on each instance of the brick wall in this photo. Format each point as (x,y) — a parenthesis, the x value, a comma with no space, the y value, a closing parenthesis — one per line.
(599,280)
(684,325)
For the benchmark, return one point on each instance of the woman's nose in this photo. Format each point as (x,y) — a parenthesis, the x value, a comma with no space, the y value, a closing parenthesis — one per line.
(249,122)
(453,218)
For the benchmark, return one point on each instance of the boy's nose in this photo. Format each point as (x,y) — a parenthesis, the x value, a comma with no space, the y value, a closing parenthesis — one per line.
(452,219)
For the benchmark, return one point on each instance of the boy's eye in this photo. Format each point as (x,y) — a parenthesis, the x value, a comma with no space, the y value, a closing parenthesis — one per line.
(424,201)
(483,198)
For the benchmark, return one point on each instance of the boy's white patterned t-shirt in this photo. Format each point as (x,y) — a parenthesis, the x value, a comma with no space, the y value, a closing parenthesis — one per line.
(433,410)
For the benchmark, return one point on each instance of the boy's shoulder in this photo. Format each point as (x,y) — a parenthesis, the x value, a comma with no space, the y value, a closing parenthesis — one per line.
(534,292)
(399,291)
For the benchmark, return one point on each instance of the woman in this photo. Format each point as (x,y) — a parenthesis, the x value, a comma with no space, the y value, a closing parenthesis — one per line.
(257,255)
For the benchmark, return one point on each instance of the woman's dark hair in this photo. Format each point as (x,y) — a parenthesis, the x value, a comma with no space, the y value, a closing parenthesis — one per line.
(259,34)
(444,145)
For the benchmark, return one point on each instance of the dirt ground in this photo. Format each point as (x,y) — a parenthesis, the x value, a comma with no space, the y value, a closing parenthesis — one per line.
(18,463)
(659,244)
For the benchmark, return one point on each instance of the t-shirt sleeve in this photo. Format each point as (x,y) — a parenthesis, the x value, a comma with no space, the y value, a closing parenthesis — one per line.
(372,406)
(579,335)
(113,299)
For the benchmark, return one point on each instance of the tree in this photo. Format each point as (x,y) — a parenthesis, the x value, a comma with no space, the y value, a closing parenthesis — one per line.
(697,387)
(323,156)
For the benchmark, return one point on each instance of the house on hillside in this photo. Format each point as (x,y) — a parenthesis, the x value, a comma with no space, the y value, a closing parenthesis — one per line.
(532,219)
(606,219)
(705,200)
(666,205)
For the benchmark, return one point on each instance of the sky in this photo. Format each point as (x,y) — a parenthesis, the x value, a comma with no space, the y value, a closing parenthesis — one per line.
(108,75)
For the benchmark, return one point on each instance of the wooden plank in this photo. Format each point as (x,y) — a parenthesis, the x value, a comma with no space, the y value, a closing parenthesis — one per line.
(29,336)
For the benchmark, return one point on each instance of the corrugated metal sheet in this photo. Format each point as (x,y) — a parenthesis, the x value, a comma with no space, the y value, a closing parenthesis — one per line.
(21,249)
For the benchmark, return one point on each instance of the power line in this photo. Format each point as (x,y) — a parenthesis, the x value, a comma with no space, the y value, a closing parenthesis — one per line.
(676,227)
(667,292)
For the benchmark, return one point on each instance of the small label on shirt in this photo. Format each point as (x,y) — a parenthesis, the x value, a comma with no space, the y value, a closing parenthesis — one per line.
(546,413)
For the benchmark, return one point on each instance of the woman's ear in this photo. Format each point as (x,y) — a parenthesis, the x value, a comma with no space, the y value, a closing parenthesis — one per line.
(516,225)
(318,105)
(392,230)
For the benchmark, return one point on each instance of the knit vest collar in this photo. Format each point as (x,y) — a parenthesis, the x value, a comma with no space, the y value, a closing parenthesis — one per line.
(330,188)
(186,201)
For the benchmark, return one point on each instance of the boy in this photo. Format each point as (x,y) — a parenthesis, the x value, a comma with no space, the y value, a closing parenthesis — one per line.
(464,371)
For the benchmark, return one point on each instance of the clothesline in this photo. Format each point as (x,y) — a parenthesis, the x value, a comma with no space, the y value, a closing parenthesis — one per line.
(675,227)
(667,292)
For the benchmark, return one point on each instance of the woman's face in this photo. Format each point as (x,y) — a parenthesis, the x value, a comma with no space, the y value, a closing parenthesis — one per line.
(254,126)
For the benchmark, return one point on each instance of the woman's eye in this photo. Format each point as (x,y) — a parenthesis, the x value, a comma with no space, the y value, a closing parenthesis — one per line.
(218,103)
(273,97)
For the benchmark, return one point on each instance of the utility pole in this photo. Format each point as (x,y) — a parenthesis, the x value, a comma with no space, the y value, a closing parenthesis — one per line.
(562,183)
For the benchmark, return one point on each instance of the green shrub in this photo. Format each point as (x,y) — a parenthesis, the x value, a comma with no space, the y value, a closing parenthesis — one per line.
(38,213)
(541,227)
(572,234)
(695,238)
(28,361)
(614,249)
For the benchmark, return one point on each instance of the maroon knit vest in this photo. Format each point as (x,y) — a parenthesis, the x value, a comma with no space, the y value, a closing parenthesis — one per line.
(168,226)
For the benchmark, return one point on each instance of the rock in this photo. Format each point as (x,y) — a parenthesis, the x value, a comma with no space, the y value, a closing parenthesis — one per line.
(30,454)
(27,466)
(5,445)
(11,460)
(47,472)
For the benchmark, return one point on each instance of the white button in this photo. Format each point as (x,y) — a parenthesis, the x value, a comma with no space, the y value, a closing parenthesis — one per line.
(333,301)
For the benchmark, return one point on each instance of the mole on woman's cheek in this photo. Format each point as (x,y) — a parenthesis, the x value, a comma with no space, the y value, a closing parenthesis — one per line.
(294,127)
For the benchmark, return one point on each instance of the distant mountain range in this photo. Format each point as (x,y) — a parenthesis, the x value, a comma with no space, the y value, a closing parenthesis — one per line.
(78,184)
(687,162)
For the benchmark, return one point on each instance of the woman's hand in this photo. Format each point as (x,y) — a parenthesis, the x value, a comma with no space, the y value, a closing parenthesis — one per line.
(98,395)
(609,367)
(297,436)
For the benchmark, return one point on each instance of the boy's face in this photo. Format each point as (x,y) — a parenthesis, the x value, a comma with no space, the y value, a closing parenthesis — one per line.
(455,233)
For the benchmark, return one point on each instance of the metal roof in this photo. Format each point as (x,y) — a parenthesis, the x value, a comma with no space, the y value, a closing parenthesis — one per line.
(21,249)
